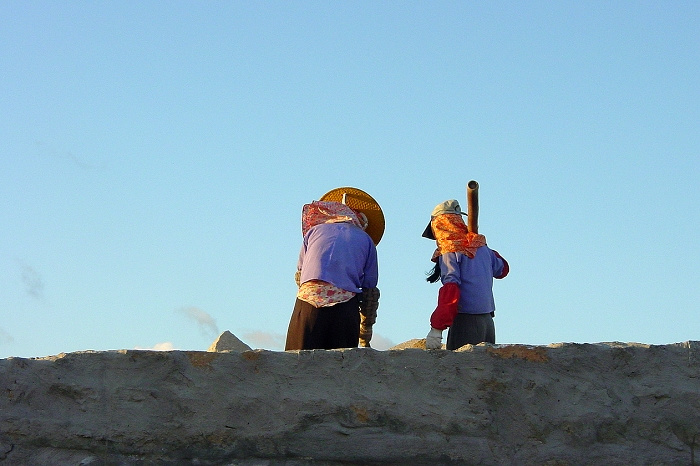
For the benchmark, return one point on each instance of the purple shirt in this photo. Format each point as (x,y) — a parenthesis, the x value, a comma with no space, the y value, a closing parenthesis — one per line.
(341,254)
(474,277)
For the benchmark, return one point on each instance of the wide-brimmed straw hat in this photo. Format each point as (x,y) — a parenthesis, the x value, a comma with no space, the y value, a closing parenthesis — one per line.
(360,201)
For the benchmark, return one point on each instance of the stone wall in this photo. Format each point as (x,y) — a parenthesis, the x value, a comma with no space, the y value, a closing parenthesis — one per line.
(564,404)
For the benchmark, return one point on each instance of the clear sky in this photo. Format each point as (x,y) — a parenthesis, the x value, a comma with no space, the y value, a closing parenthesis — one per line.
(155,157)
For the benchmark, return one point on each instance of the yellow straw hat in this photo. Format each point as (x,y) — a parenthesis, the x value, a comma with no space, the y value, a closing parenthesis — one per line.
(360,201)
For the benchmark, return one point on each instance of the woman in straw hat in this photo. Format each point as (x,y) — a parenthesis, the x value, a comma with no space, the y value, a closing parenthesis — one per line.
(466,267)
(337,275)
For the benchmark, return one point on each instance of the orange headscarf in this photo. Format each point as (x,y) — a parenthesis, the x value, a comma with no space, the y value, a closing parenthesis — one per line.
(452,235)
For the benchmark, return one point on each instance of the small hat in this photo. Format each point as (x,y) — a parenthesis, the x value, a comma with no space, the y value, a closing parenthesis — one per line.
(362,202)
(447,207)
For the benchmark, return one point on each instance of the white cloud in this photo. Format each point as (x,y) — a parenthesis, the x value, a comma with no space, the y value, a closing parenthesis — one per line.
(381,343)
(5,337)
(264,340)
(33,284)
(165,346)
(206,323)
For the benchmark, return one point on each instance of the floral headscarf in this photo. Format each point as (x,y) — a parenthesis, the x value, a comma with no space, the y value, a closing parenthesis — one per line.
(319,212)
(452,235)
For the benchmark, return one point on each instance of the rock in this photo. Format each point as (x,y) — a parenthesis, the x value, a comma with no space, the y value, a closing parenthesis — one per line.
(561,404)
(228,342)
(415,343)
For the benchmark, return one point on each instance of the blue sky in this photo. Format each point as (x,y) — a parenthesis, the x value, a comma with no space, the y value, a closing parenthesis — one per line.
(155,157)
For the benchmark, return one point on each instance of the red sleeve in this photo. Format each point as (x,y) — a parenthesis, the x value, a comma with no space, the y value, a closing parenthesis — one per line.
(446,309)
(506,268)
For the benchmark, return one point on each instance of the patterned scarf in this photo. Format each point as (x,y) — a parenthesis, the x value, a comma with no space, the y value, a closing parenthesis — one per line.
(319,212)
(452,235)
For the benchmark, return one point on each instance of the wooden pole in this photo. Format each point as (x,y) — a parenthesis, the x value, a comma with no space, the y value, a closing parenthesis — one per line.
(473,206)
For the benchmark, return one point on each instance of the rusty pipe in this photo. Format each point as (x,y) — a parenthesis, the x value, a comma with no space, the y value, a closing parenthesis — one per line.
(473,206)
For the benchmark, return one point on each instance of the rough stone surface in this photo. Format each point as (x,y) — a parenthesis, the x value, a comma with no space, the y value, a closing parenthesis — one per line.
(228,342)
(562,404)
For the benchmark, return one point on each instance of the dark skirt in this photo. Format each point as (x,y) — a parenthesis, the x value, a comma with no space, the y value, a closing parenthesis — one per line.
(470,329)
(331,327)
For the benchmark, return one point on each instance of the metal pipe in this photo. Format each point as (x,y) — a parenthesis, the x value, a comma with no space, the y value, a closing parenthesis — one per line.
(473,206)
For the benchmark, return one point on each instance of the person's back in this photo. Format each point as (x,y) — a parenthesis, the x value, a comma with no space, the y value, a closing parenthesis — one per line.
(341,254)
(474,276)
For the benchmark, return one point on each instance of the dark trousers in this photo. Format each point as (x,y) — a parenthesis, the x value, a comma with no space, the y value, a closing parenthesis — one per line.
(331,327)
(470,329)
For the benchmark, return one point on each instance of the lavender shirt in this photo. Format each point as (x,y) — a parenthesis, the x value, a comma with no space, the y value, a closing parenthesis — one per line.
(474,277)
(341,254)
